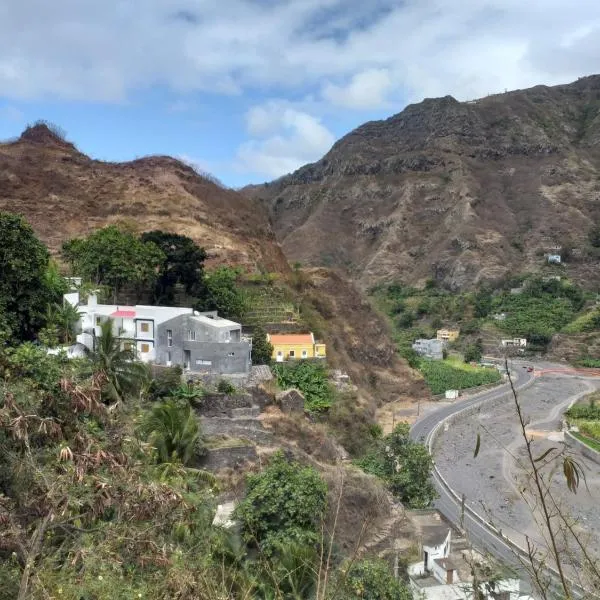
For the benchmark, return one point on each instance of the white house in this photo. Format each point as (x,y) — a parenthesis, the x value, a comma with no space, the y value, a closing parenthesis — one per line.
(554,259)
(436,577)
(166,335)
(135,324)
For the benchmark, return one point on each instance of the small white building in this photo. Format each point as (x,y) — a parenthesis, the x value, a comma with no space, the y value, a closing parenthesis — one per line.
(437,577)
(554,259)
(514,342)
(452,394)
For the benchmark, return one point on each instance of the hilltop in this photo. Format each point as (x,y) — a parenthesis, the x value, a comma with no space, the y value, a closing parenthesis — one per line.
(455,191)
(64,193)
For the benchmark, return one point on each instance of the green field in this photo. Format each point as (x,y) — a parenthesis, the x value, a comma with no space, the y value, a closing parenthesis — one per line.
(452,374)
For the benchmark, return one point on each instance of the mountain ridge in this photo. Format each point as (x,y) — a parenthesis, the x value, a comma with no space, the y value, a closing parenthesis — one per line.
(449,190)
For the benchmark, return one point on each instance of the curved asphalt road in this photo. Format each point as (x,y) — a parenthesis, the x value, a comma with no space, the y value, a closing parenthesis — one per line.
(481,534)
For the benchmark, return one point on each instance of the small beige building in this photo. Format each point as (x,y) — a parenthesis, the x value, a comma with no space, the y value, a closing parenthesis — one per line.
(447,335)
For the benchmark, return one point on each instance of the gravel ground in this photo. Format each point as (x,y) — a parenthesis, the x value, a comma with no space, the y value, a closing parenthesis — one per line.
(491,482)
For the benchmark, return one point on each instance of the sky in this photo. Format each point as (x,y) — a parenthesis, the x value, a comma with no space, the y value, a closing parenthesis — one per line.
(249,90)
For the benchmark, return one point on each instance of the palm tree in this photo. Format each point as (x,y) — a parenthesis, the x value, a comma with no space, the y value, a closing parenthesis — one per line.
(116,364)
(172,428)
(67,317)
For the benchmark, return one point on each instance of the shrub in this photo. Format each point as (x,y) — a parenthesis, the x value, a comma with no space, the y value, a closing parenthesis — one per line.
(165,382)
(372,579)
(311,379)
(284,503)
(225,387)
(404,465)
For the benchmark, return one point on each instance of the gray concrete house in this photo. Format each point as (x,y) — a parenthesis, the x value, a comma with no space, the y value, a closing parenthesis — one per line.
(429,348)
(203,343)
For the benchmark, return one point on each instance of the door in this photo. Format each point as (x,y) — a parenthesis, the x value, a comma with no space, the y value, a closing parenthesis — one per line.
(187,359)
(279,356)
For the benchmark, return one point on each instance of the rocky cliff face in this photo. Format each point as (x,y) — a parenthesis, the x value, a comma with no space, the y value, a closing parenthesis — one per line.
(63,194)
(455,191)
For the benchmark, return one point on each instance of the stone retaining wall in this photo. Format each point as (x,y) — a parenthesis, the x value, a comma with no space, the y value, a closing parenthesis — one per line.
(229,458)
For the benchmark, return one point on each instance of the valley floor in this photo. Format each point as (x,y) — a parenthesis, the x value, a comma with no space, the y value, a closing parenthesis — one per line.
(492,481)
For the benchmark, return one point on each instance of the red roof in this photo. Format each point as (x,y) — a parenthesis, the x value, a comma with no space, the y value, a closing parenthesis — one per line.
(291,338)
(123,313)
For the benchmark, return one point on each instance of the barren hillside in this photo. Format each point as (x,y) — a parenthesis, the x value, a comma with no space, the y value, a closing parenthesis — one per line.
(455,191)
(64,193)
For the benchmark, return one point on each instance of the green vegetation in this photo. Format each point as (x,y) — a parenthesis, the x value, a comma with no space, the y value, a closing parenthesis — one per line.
(404,465)
(173,431)
(592,443)
(310,377)
(29,281)
(118,374)
(592,363)
(284,503)
(542,309)
(183,265)
(372,580)
(262,349)
(224,293)
(442,375)
(586,416)
(588,321)
(101,494)
(114,257)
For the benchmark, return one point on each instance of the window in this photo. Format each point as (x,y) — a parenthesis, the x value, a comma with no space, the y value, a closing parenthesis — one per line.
(145,327)
(231,354)
(98,320)
(168,358)
(201,361)
(192,335)
(304,353)
(292,353)
(145,348)
(169,337)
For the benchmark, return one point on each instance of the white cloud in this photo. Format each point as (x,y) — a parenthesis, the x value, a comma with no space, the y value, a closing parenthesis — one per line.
(348,54)
(366,90)
(103,51)
(301,139)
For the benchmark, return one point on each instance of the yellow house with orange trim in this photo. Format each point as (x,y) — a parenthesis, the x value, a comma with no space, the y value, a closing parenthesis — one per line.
(295,346)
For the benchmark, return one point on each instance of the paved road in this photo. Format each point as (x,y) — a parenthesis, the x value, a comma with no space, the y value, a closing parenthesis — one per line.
(481,534)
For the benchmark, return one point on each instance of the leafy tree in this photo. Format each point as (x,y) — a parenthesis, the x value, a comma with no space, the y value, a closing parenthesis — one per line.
(114,257)
(262,349)
(25,288)
(474,352)
(183,264)
(116,365)
(172,428)
(284,503)
(405,465)
(483,302)
(371,579)
(223,293)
